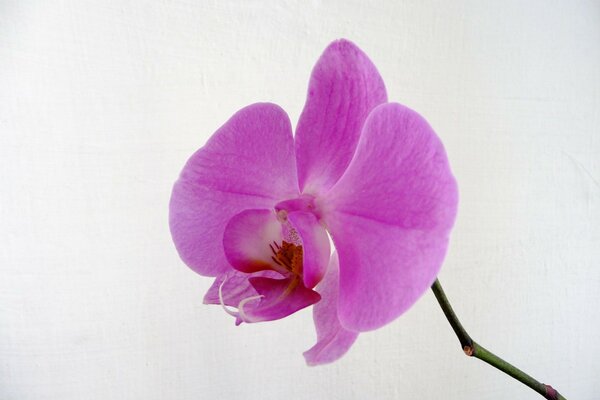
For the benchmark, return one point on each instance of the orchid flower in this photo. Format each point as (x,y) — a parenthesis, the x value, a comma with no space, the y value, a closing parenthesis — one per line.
(256,206)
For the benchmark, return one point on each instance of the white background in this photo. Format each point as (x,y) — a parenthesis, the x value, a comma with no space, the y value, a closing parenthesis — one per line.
(101,104)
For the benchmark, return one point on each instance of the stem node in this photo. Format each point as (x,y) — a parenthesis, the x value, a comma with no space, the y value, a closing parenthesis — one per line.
(473,349)
(468,351)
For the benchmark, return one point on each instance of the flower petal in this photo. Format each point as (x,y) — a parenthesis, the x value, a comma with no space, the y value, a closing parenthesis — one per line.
(248,163)
(315,246)
(390,217)
(333,341)
(344,87)
(248,237)
(281,297)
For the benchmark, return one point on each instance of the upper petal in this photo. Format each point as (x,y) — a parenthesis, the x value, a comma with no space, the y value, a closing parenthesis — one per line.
(333,340)
(344,87)
(390,217)
(248,163)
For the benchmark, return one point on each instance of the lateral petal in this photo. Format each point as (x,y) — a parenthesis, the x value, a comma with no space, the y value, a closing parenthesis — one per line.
(390,217)
(248,163)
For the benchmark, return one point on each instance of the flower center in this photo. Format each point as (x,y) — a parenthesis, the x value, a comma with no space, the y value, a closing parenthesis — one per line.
(288,255)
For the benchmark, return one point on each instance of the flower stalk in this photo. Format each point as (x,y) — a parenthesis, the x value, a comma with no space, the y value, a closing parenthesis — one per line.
(474,349)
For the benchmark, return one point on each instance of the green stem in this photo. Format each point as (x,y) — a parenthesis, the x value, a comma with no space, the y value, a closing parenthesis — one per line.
(473,349)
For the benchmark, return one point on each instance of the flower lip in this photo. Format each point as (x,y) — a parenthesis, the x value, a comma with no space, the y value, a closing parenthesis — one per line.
(256,242)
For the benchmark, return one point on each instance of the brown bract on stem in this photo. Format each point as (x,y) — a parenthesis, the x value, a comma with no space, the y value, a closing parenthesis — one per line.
(474,349)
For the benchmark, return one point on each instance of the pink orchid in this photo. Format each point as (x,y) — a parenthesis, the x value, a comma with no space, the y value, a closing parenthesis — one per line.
(255,207)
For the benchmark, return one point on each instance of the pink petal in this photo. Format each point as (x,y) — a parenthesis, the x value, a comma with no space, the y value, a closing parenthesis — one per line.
(248,163)
(248,237)
(281,297)
(344,87)
(333,341)
(390,217)
(315,246)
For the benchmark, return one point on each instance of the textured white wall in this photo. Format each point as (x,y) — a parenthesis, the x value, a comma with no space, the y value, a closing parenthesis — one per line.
(102,102)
